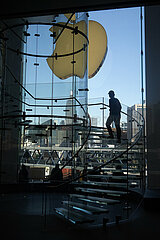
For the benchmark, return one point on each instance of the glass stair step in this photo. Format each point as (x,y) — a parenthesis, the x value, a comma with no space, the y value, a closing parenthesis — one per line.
(101,184)
(73,217)
(94,190)
(85,208)
(96,199)
(130,177)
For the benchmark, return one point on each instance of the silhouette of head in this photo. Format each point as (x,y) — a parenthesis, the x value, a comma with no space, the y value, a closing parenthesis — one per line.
(111,93)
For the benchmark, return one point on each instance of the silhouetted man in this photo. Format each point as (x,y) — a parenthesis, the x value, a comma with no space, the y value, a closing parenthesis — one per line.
(56,174)
(114,116)
(23,174)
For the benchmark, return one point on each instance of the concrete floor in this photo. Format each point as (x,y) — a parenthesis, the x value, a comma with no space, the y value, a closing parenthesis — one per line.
(23,216)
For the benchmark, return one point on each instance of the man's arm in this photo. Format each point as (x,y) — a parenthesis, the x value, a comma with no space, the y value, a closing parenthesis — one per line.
(109,104)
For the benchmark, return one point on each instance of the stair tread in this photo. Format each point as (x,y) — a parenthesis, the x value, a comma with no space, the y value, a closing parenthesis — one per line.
(73,217)
(104,184)
(87,208)
(105,200)
(101,190)
(109,169)
(130,177)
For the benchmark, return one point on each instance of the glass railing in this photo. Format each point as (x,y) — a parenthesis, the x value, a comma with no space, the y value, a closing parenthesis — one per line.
(98,176)
(66,129)
(112,177)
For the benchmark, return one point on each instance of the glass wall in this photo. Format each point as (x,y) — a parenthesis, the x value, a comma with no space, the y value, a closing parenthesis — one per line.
(45,76)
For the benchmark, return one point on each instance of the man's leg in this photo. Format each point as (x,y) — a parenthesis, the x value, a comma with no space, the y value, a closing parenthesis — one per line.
(108,125)
(118,132)
(118,129)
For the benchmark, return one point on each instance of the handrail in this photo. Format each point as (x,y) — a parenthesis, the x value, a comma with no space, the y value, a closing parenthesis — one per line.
(98,167)
(53,116)
(79,119)
(76,154)
(108,162)
(47,24)
(17,51)
(137,135)
(57,99)
(58,116)
(40,115)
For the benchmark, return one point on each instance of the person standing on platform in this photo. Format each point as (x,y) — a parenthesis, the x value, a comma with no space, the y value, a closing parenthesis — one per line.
(23,174)
(56,174)
(114,116)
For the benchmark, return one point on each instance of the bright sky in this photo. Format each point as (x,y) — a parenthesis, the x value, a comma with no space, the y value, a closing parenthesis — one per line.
(121,69)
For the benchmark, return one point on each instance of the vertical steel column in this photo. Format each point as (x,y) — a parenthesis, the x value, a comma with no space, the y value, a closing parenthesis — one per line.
(142,85)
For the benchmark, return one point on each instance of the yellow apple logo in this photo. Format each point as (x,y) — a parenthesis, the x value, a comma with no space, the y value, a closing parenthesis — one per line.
(62,67)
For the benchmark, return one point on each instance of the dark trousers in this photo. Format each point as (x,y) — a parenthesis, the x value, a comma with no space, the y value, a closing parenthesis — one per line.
(116,120)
